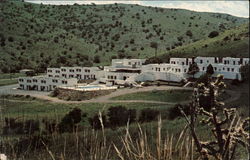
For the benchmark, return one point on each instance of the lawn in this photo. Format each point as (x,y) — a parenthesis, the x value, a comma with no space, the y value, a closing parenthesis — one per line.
(157,95)
(4,82)
(9,78)
(33,108)
(11,75)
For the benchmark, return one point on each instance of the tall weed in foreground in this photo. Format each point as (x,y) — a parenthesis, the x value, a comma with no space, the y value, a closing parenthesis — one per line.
(161,149)
(95,146)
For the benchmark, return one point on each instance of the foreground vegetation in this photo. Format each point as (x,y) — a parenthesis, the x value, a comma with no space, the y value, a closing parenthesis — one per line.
(84,35)
(93,135)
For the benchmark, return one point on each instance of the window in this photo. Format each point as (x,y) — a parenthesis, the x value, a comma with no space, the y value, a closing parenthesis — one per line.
(54,80)
(57,71)
(185,70)
(56,75)
(203,68)
(228,69)
(63,70)
(129,63)
(234,62)
(87,70)
(43,81)
(20,80)
(182,63)
(64,82)
(28,81)
(49,70)
(78,70)
(34,80)
(71,70)
(232,69)
(50,75)
(71,76)
(215,68)
(201,61)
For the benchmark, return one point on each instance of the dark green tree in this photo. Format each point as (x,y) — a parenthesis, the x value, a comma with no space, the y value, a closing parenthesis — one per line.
(193,68)
(210,69)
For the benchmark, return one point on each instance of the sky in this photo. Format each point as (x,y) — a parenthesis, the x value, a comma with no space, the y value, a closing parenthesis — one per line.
(236,8)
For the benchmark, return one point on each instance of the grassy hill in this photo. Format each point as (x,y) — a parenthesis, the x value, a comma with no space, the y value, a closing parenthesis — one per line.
(37,36)
(233,42)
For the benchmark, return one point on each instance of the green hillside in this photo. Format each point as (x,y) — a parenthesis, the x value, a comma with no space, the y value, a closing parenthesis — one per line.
(233,42)
(37,36)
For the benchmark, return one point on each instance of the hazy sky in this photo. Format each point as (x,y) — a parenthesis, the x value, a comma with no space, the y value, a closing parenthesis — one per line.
(236,8)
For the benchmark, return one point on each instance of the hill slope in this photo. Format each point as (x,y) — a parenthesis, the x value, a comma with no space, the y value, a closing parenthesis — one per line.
(233,42)
(37,36)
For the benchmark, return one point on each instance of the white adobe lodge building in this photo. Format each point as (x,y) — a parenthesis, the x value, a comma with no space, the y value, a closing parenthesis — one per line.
(131,71)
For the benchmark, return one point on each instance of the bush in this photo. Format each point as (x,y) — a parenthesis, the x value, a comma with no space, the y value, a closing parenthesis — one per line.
(97,59)
(95,121)
(55,93)
(148,115)
(189,33)
(203,79)
(119,116)
(153,60)
(175,112)
(70,120)
(10,39)
(213,34)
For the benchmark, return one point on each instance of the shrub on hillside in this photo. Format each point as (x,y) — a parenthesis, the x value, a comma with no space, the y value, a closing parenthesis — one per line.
(97,59)
(213,34)
(189,33)
(153,60)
